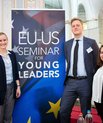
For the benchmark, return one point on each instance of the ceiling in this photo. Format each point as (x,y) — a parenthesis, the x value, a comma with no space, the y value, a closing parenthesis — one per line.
(53,4)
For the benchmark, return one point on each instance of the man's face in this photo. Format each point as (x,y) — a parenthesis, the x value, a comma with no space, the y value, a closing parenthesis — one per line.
(77,28)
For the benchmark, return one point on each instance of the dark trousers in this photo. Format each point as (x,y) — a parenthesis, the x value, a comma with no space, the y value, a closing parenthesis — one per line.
(99,107)
(7,108)
(74,89)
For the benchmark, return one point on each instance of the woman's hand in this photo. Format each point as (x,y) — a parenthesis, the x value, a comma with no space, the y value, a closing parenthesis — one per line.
(18,92)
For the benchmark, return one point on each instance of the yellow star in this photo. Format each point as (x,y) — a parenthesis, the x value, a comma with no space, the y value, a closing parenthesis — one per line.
(54,108)
(29,120)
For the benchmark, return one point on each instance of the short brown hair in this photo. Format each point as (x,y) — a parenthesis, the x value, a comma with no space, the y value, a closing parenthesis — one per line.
(74,19)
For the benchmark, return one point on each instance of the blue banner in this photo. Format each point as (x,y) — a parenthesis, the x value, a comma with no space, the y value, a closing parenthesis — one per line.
(38,40)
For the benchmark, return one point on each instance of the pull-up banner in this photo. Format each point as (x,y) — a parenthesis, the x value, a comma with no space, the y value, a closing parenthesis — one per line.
(38,40)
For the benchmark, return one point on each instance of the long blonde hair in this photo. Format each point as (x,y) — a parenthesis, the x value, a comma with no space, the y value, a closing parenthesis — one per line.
(2,33)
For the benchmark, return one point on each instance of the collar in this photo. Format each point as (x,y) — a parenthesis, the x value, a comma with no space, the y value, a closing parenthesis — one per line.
(8,52)
(80,39)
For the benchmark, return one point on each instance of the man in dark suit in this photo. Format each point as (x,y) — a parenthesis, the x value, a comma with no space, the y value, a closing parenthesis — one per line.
(81,54)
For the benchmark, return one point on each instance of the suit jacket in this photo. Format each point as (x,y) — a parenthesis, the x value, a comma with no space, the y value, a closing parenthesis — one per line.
(90,58)
(3,84)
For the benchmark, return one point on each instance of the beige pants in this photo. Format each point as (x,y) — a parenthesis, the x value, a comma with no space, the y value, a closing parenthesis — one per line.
(7,109)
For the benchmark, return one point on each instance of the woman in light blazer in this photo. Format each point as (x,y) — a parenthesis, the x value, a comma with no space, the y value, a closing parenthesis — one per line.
(97,95)
(9,80)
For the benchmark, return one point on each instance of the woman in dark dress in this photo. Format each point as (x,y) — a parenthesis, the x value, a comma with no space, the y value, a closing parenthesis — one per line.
(97,95)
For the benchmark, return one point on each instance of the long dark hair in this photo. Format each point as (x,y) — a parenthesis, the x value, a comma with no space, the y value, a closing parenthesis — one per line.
(100,62)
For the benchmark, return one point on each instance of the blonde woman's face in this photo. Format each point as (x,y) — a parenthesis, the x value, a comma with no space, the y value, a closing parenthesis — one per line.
(101,54)
(3,41)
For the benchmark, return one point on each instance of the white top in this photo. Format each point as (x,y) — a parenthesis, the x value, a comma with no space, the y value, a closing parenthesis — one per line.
(81,71)
(97,85)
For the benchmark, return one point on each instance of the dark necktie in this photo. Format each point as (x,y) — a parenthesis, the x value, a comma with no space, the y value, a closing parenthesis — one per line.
(75,59)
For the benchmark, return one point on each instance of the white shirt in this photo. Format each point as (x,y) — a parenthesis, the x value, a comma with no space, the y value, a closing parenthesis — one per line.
(81,71)
(97,85)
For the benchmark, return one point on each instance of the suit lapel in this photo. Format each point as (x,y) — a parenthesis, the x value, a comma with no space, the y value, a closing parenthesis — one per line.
(2,63)
(69,48)
(10,54)
(86,45)
(12,60)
